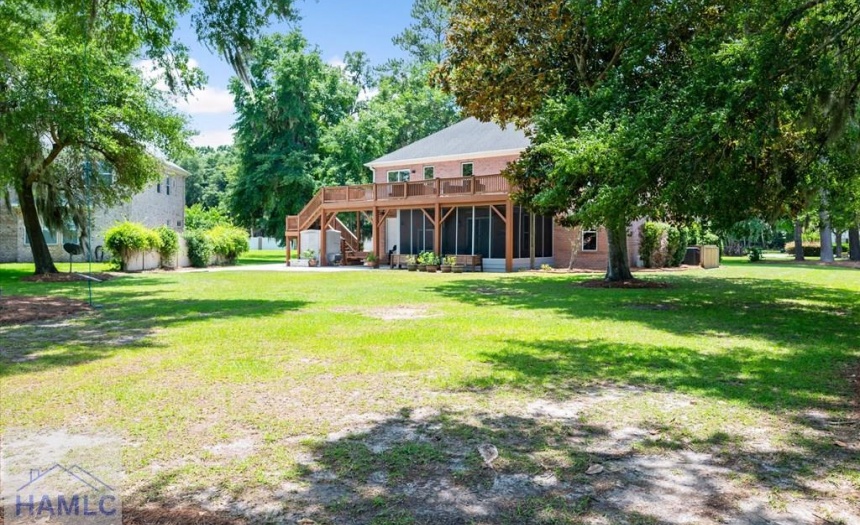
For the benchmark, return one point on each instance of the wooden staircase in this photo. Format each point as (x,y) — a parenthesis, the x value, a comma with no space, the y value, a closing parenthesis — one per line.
(306,218)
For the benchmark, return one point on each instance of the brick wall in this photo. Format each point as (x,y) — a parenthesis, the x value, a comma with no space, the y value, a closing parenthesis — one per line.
(8,235)
(149,207)
(449,169)
(591,260)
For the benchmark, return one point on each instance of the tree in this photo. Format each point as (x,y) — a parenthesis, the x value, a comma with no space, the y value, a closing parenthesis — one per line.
(576,70)
(663,109)
(113,117)
(51,122)
(294,97)
(424,40)
(405,109)
(211,170)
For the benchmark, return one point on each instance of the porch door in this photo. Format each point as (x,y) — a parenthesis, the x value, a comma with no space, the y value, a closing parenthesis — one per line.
(392,234)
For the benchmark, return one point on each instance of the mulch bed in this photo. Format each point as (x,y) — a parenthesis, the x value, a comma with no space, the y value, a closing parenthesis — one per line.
(25,309)
(635,284)
(67,277)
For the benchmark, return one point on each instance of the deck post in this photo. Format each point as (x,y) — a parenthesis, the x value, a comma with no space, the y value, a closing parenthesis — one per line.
(509,236)
(375,231)
(323,229)
(437,233)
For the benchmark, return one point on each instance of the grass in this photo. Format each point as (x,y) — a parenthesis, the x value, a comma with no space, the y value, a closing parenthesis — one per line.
(262,257)
(185,365)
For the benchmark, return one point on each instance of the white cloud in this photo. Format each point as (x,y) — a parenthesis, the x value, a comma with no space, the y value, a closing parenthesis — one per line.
(367,94)
(213,138)
(337,62)
(207,101)
(210,100)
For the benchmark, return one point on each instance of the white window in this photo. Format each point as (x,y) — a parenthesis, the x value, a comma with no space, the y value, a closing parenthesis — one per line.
(429,172)
(589,241)
(398,176)
(467,169)
(167,185)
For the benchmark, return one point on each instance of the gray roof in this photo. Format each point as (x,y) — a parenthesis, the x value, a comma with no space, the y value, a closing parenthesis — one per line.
(467,137)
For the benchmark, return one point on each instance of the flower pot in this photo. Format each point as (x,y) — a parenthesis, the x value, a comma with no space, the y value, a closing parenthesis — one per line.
(445,268)
(431,268)
(457,268)
(422,267)
(412,267)
(312,262)
(373,264)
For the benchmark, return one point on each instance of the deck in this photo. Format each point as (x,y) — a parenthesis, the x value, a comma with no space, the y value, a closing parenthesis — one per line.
(377,200)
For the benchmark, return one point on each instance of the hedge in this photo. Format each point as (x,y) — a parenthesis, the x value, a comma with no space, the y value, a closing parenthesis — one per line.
(811,249)
(128,237)
(228,241)
(169,243)
(199,248)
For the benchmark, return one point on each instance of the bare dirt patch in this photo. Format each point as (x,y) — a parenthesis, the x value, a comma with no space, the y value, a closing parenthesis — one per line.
(15,310)
(633,284)
(392,313)
(68,277)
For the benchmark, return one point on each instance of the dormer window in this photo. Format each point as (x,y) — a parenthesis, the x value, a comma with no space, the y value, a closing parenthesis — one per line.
(467,169)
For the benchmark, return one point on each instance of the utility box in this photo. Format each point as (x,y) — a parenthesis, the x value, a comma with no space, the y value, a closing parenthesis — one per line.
(693,257)
(710,256)
(311,241)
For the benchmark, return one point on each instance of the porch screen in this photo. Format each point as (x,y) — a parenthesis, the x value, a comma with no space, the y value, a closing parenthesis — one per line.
(416,232)
(522,234)
(474,230)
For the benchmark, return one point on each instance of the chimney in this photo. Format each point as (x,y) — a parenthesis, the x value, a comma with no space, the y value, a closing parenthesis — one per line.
(34,474)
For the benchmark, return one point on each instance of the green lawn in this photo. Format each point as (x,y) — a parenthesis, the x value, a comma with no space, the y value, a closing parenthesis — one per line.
(345,389)
(262,257)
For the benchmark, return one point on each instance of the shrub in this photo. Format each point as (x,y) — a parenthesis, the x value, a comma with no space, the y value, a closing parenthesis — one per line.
(810,248)
(169,243)
(228,241)
(650,241)
(755,254)
(199,248)
(676,240)
(126,238)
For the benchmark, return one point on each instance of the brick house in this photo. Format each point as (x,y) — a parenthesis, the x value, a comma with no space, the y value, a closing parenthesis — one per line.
(162,203)
(445,194)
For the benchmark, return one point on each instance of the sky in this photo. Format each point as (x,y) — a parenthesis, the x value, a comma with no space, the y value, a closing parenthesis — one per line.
(334,26)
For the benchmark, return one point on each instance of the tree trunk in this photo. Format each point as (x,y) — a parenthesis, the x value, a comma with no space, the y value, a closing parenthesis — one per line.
(837,250)
(41,255)
(798,240)
(854,243)
(825,231)
(618,268)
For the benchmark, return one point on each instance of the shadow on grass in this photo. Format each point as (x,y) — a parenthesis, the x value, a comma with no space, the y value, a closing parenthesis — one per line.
(812,332)
(124,322)
(425,468)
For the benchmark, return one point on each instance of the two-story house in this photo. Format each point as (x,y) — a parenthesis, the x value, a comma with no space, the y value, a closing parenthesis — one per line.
(162,203)
(445,194)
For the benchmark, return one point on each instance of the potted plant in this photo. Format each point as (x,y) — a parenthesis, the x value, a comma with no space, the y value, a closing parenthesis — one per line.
(371,261)
(447,262)
(422,261)
(311,256)
(411,263)
(456,267)
(432,262)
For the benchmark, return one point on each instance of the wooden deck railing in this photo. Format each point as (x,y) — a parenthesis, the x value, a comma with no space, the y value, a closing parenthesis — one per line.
(399,191)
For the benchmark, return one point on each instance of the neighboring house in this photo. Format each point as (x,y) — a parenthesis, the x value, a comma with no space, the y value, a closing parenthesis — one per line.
(445,194)
(162,203)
